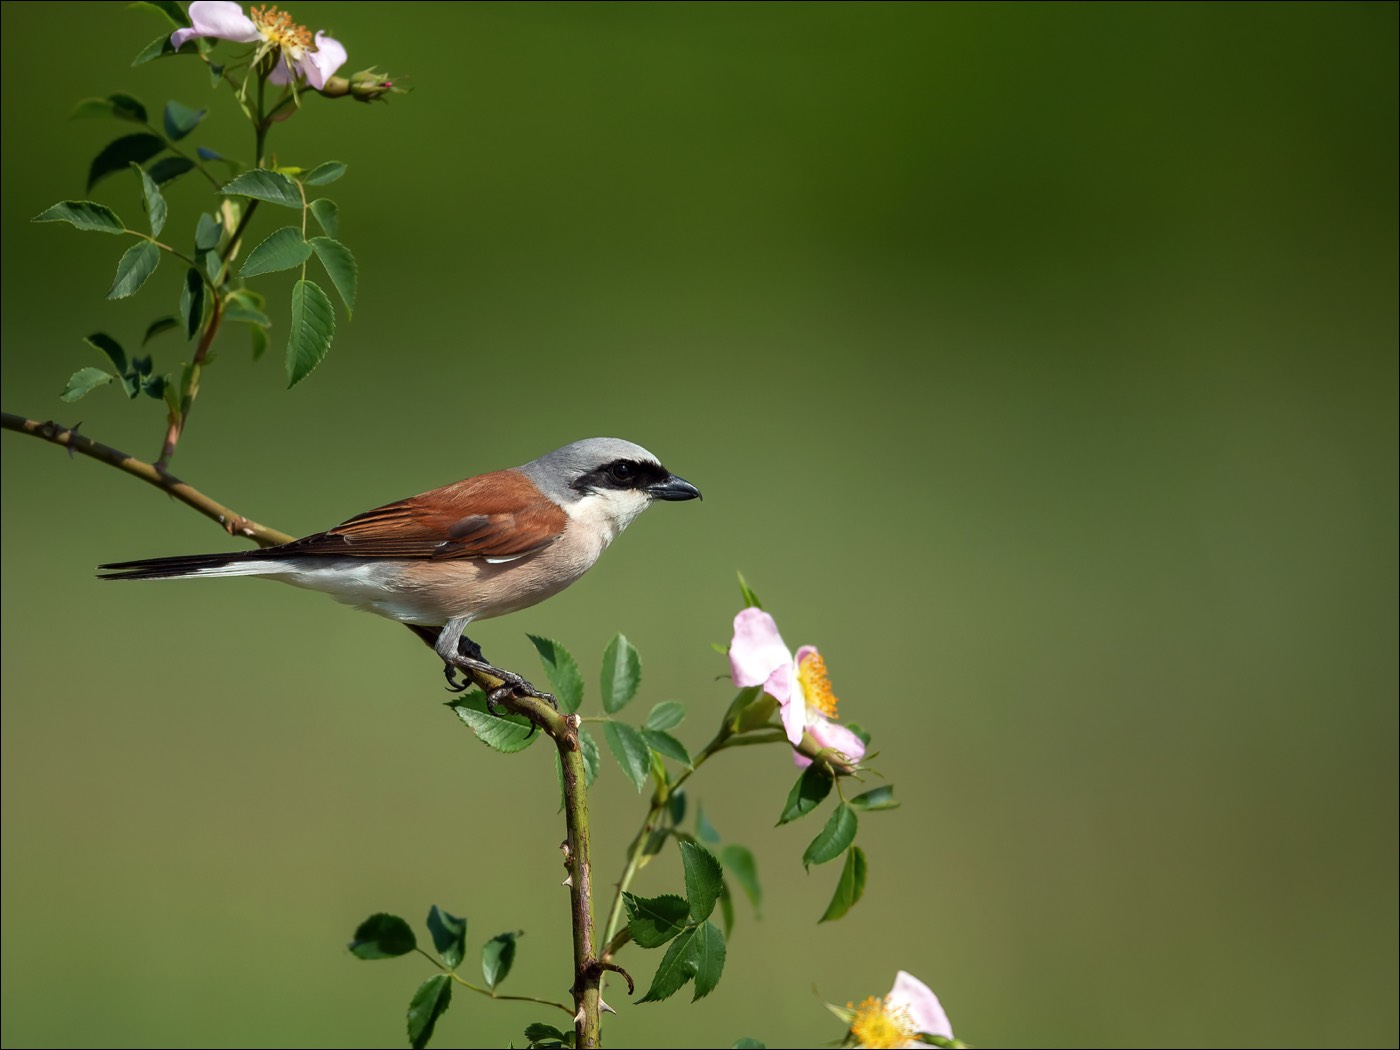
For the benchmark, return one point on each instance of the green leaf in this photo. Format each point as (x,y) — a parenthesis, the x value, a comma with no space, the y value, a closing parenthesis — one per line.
(159,326)
(155,204)
(449,936)
(259,341)
(750,599)
(245,314)
(84,381)
(740,862)
(171,11)
(630,750)
(383,936)
(507,733)
(264,185)
(192,302)
(104,343)
(341,268)
(160,47)
(622,672)
(327,214)
(137,263)
(704,879)
(168,168)
(592,756)
(564,676)
(122,107)
(543,1035)
(313,325)
(325,173)
(207,233)
(497,957)
(849,887)
(117,154)
(666,744)
(283,249)
(677,966)
(832,840)
(704,830)
(876,798)
(180,120)
(863,736)
(429,1003)
(726,910)
(748,1043)
(85,215)
(811,787)
(666,715)
(708,953)
(155,387)
(653,921)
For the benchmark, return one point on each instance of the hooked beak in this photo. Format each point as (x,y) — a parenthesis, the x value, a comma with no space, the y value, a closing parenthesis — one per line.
(674,488)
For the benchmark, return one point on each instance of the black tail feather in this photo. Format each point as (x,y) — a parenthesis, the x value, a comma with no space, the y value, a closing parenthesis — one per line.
(168,568)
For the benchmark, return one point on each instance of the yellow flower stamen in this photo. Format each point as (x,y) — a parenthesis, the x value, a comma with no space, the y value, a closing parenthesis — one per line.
(816,686)
(278,29)
(879,1026)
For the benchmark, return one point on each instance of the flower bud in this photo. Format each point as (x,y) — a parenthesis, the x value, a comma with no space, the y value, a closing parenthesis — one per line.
(368,85)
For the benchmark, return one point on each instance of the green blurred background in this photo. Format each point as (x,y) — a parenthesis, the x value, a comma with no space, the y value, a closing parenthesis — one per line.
(1036,362)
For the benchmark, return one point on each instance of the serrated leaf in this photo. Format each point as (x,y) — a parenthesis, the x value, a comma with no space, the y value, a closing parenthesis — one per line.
(497,957)
(83,382)
(564,676)
(327,214)
(120,106)
(180,120)
(313,326)
(506,733)
(259,340)
(676,804)
(429,1003)
(878,798)
(708,953)
(704,830)
(704,879)
(117,154)
(192,302)
(449,936)
(750,599)
(383,936)
(245,314)
(849,887)
(860,733)
(630,750)
(325,173)
(208,231)
(283,249)
(832,840)
(173,12)
(157,48)
(740,862)
(622,673)
(666,744)
(85,215)
(677,966)
(809,791)
(592,756)
(666,715)
(264,185)
(168,168)
(340,266)
(155,204)
(159,326)
(155,387)
(136,264)
(726,910)
(653,921)
(105,344)
(546,1035)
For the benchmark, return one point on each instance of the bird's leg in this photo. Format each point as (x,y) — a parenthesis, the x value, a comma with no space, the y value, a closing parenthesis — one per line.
(460,653)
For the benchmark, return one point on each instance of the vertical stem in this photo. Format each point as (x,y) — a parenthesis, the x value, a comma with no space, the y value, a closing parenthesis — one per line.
(586,970)
(191,391)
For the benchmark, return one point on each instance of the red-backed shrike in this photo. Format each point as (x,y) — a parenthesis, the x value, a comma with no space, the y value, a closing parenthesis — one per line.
(479,548)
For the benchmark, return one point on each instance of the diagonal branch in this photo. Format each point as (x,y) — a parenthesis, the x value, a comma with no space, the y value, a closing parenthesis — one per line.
(232,522)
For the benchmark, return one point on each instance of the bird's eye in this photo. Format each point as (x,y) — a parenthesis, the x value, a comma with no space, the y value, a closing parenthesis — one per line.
(621,472)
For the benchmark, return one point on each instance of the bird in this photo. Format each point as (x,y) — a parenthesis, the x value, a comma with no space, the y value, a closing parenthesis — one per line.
(483,547)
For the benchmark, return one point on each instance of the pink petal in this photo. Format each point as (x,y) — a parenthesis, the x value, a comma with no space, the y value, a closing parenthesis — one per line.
(320,65)
(829,734)
(802,653)
(756,649)
(924,1008)
(219,19)
(782,686)
(281,73)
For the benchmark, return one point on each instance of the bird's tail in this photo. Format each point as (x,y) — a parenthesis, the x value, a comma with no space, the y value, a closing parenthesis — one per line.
(245,563)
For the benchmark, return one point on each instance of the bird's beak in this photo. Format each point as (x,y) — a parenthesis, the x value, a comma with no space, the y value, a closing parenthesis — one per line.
(674,488)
